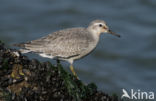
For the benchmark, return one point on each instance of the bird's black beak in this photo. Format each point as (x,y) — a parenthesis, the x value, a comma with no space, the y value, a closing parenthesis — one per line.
(109,31)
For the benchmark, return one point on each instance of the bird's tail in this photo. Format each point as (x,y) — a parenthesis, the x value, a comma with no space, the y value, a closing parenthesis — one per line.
(22,45)
(24,50)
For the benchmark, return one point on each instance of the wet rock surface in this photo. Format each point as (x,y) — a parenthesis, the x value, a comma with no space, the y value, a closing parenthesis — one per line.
(22,79)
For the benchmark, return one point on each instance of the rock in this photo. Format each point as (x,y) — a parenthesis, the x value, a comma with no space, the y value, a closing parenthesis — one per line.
(22,79)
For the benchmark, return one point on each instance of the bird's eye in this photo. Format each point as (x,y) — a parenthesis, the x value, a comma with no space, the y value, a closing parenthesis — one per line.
(100,25)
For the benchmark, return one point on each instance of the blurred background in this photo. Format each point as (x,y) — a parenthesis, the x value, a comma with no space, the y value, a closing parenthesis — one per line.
(128,62)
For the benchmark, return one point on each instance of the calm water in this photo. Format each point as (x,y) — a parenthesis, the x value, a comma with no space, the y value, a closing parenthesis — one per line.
(128,62)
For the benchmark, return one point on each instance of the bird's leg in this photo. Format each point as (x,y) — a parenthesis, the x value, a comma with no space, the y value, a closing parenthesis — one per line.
(17,71)
(74,73)
(58,62)
(21,70)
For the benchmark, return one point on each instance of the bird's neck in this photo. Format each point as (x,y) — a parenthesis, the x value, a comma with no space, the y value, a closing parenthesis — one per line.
(95,34)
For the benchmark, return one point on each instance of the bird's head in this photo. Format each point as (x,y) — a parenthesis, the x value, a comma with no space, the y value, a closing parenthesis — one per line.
(100,26)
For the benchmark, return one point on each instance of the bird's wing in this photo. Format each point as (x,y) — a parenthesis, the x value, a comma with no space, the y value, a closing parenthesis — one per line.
(69,43)
(64,43)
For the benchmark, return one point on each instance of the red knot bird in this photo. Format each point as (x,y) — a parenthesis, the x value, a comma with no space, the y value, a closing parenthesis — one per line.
(68,44)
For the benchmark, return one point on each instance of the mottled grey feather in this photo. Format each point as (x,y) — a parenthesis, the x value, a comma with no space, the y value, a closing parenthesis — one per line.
(64,43)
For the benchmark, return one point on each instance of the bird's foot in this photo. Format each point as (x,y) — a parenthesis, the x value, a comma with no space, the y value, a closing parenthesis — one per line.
(17,71)
(77,77)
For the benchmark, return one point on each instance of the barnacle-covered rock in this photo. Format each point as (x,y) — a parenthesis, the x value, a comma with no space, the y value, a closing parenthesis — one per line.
(22,79)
